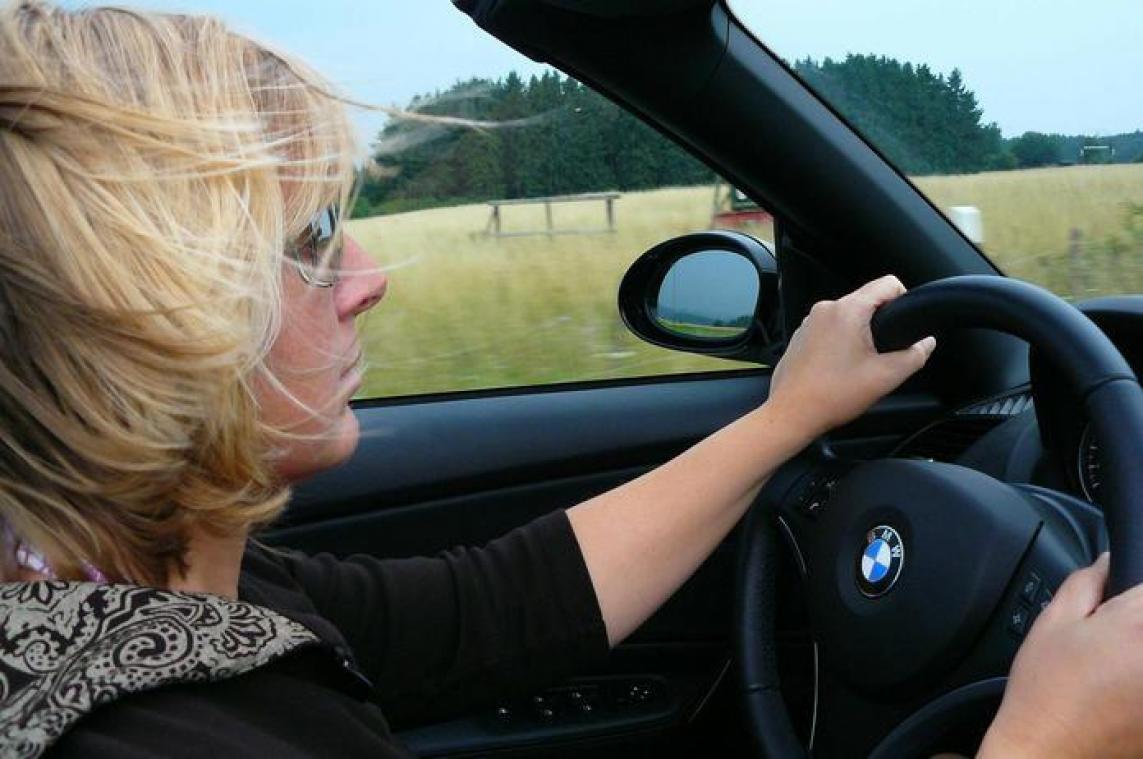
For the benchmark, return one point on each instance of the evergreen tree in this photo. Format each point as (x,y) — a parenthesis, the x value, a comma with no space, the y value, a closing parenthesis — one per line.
(924,122)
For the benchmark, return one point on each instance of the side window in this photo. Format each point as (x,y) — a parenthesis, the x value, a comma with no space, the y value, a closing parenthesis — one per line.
(507,227)
(505,200)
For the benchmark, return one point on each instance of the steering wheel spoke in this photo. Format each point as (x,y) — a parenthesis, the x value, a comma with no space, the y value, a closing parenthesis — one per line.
(923,579)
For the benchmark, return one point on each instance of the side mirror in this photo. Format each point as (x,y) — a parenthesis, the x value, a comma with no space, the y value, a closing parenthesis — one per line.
(712,292)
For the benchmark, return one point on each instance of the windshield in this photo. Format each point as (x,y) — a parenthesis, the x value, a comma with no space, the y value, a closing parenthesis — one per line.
(1021,121)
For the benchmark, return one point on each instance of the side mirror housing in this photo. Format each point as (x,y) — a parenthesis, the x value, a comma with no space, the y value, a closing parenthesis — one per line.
(714,293)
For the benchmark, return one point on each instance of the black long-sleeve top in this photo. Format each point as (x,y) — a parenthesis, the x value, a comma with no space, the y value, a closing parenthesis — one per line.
(416,639)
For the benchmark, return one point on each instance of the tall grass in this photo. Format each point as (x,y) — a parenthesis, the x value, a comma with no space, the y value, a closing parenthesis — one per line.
(469,311)
(1064,228)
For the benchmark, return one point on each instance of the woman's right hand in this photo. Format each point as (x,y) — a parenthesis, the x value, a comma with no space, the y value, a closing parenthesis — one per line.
(831,372)
(1076,687)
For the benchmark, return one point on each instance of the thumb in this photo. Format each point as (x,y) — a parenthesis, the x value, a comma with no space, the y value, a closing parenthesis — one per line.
(1082,592)
(905,362)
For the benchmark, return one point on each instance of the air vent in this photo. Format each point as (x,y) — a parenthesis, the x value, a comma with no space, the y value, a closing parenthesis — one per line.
(1007,406)
(949,438)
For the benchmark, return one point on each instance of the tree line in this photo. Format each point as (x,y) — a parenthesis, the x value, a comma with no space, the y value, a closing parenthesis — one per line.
(551,135)
(1033,149)
(557,137)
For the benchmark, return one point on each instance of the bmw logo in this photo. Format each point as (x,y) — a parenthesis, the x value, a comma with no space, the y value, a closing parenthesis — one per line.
(880,561)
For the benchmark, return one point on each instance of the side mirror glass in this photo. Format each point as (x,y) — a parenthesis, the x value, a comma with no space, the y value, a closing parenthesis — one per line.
(713,292)
(707,295)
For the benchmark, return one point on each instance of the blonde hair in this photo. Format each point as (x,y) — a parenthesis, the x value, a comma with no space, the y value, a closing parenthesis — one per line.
(153,170)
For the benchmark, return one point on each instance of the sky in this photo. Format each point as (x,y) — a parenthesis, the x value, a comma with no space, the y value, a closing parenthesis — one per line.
(379,51)
(717,284)
(1068,66)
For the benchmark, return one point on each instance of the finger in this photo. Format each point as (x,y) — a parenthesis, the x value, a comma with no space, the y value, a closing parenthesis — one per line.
(905,362)
(821,305)
(1081,593)
(879,291)
(898,366)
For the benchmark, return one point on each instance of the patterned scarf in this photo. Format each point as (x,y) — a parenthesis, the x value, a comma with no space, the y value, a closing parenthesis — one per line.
(67,648)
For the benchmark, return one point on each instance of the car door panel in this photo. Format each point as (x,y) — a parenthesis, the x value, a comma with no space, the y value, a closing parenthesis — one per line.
(441,446)
(441,471)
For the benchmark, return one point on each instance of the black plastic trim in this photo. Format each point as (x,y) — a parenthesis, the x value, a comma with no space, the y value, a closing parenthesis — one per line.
(413,451)
(512,391)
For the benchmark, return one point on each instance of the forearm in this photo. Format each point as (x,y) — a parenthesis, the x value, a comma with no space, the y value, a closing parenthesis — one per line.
(641,541)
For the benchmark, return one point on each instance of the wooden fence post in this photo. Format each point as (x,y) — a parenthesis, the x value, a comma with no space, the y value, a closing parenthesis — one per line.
(494,227)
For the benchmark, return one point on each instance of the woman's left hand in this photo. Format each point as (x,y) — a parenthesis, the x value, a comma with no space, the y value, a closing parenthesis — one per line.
(1077,682)
(831,371)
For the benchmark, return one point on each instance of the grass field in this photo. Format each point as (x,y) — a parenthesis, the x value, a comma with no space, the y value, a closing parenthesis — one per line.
(1030,215)
(467,311)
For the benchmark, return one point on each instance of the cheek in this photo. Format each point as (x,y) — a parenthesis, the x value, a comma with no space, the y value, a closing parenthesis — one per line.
(302,360)
(306,400)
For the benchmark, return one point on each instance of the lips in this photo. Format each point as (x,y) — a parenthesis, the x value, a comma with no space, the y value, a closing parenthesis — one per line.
(353,375)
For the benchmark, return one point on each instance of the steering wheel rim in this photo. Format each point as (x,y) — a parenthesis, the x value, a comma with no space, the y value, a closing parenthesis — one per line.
(1089,362)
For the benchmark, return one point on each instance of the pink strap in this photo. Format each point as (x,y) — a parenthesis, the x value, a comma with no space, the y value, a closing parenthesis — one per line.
(29,558)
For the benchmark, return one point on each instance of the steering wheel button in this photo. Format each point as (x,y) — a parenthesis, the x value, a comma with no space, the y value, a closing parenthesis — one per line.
(1018,620)
(1043,599)
(1030,587)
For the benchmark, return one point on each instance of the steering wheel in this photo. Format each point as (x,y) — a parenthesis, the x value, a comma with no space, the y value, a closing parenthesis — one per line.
(922,577)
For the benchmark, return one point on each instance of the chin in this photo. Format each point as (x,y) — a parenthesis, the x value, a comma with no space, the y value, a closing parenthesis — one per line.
(348,435)
(331,450)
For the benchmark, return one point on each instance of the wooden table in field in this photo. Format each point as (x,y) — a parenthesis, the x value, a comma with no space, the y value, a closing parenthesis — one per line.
(493,227)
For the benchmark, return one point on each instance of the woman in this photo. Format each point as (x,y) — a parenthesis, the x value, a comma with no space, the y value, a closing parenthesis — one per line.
(177,307)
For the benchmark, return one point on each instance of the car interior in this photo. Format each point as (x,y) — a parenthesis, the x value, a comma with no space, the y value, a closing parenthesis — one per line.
(998,469)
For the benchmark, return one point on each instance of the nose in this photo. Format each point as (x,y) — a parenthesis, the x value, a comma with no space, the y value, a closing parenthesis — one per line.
(362,284)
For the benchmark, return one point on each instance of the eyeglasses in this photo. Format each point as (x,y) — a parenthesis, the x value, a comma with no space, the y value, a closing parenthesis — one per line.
(317,250)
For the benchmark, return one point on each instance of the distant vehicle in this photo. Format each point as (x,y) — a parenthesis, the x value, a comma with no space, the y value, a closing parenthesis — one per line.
(733,208)
(1097,154)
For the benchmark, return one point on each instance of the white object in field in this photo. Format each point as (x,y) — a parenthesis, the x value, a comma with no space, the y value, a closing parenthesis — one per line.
(968,220)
